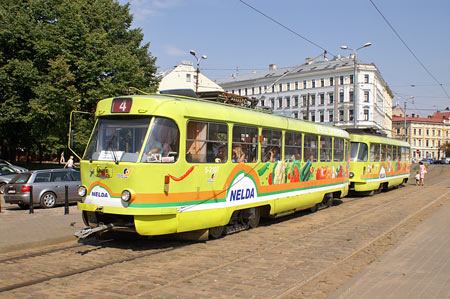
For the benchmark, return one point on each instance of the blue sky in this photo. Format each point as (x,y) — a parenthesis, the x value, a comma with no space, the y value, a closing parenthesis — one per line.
(233,36)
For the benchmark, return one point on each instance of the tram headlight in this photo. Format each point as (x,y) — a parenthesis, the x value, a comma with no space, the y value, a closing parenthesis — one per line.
(82,191)
(126,195)
(351,174)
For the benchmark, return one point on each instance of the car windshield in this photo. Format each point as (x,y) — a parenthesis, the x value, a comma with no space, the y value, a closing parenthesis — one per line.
(117,139)
(21,178)
(5,170)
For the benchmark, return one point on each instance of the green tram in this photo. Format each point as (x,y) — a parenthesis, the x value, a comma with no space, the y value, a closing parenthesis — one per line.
(163,164)
(378,163)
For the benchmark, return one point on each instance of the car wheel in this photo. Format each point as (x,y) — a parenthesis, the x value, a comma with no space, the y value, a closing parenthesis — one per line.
(2,188)
(48,200)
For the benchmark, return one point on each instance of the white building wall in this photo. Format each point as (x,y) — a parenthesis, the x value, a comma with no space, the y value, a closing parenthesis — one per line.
(377,104)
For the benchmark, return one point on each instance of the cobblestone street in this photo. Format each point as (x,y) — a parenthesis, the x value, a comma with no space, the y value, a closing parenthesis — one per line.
(305,255)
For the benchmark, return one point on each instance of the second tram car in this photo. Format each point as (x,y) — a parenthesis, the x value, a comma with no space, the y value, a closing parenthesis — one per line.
(378,163)
(162,164)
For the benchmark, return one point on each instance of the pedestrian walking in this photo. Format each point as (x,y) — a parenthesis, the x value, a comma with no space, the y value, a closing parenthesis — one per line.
(422,172)
(417,178)
(69,163)
(62,160)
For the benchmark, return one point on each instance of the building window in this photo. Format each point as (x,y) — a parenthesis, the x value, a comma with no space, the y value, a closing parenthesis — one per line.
(341,115)
(341,97)
(280,87)
(246,91)
(366,96)
(350,115)
(313,83)
(322,82)
(428,132)
(295,101)
(239,91)
(433,133)
(253,90)
(330,98)
(366,114)
(341,80)
(427,143)
(331,81)
(296,85)
(313,100)
(272,103)
(295,114)
(288,102)
(288,86)
(188,77)
(273,88)
(351,79)
(366,78)
(330,115)
(321,117)
(280,102)
(415,132)
(313,116)
(420,132)
(304,101)
(322,99)
(351,95)
(304,84)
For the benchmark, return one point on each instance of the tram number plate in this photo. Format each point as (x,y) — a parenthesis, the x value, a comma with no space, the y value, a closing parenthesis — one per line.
(121,105)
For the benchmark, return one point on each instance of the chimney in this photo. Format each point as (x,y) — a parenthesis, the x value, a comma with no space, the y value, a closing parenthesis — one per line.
(412,115)
(272,67)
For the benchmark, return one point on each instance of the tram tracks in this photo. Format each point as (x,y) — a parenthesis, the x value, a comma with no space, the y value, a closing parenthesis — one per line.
(325,228)
(133,255)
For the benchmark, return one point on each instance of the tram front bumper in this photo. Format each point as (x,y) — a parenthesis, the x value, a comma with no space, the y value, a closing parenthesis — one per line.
(127,211)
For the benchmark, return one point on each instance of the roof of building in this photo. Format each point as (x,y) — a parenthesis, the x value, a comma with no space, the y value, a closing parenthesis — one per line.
(437,117)
(318,63)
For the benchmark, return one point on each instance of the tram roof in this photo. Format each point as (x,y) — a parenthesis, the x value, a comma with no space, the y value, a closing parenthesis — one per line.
(177,107)
(378,139)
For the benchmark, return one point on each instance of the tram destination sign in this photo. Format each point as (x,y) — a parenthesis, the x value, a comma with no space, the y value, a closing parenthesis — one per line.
(121,105)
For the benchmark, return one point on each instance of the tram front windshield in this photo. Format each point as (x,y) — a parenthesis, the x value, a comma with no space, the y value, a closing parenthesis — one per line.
(358,152)
(117,139)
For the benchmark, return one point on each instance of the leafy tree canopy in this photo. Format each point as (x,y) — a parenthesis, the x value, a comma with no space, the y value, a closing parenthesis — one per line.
(57,56)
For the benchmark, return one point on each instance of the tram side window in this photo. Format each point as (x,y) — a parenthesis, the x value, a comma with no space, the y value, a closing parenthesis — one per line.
(394,153)
(271,145)
(163,142)
(325,148)
(310,148)
(374,152)
(206,142)
(407,149)
(385,152)
(338,149)
(293,146)
(245,144)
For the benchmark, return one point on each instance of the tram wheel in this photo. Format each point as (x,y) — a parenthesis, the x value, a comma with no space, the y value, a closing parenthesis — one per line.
(313,209)
(253,219)
(216,232)
(328,200)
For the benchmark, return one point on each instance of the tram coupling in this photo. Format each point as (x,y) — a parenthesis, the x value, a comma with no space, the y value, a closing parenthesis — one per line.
(89,230)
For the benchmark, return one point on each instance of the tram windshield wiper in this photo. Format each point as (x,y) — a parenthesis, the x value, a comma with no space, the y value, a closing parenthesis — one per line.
(112,148)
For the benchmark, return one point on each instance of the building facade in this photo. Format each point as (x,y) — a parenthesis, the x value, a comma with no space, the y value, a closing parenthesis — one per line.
(184,76)
(321,90)
(428,136)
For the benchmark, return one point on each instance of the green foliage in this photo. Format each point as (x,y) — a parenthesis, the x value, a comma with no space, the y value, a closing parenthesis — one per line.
(57,56)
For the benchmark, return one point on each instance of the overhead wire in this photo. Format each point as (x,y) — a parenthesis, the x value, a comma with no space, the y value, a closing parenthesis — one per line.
(409,49)
(285,27)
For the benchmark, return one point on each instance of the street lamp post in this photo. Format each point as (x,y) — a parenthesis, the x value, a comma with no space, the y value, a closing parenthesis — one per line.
(355,78)
(198,68)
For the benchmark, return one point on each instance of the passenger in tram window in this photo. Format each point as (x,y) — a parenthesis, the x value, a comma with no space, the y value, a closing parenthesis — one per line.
(275,154)
(221,156)
(238,154)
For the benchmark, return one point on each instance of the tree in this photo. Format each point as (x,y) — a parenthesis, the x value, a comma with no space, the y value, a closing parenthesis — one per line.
(57,56)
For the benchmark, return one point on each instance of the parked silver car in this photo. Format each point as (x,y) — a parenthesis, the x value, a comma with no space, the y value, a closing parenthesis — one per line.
(6,174)
(48,187)
(16,168)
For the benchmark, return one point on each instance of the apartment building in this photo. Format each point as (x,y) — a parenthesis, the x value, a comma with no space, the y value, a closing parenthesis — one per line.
(428,136)
(321,90)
